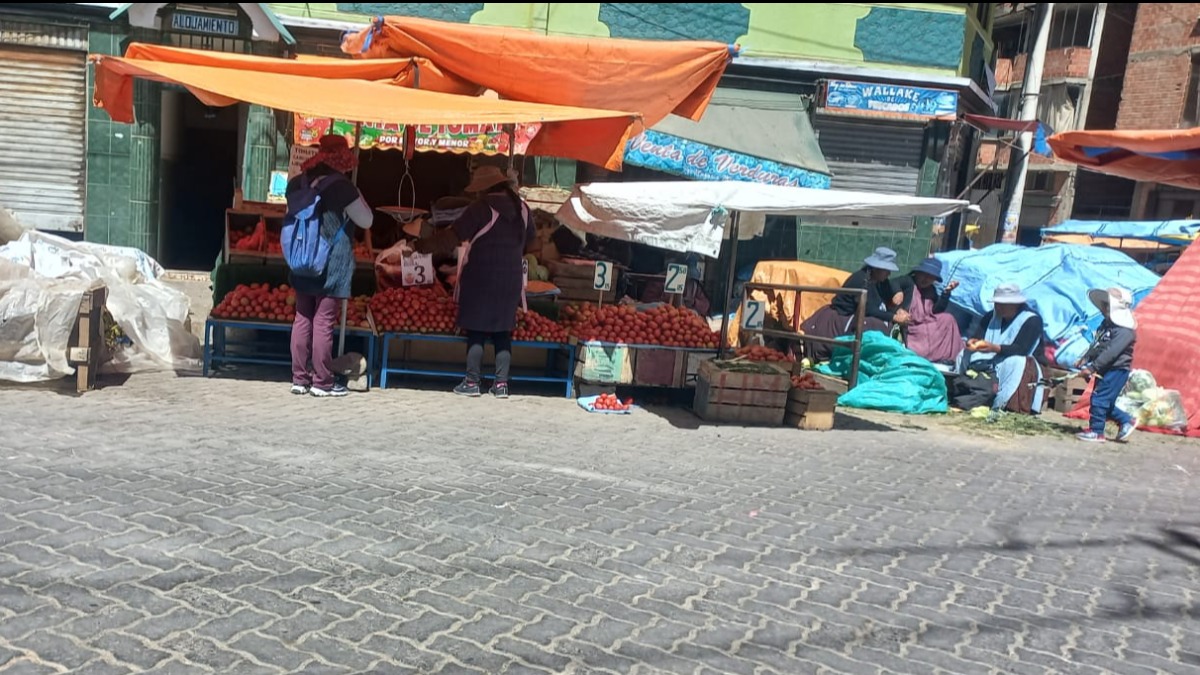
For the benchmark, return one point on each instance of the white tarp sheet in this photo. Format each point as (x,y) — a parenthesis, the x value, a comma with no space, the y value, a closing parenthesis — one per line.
(690,217)
(42,281)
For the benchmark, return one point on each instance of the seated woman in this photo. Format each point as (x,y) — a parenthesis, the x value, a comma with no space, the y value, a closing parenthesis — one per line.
(932,333)
(1005,344)
(837,318)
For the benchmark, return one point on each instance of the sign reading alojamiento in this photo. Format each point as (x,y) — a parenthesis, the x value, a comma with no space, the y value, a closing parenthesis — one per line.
(206,24)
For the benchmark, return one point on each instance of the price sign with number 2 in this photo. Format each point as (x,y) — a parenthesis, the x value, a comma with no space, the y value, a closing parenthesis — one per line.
(417,269)
(676,278)
(753,313)
(602,281)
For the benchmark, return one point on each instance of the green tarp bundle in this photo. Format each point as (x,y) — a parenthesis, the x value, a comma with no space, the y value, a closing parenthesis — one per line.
(890,378)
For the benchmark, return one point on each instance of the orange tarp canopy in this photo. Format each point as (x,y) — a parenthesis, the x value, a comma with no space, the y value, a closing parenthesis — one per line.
(1170,156)
(401,72)
(596,136)
(1136,245)
(649,77)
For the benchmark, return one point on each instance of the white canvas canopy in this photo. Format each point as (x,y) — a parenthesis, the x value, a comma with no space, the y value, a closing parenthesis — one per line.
(690,217)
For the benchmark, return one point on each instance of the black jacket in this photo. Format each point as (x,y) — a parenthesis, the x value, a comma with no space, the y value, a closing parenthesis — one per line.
(1112,349)
(879,296)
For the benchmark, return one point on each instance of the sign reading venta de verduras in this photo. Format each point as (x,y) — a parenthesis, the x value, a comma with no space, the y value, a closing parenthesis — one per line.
(889,99)
(699,161)
(206,24)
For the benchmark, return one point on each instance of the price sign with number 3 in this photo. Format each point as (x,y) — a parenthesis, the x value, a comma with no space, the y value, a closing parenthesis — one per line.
(602,281)
(676,278)
(417,269)
(753,313)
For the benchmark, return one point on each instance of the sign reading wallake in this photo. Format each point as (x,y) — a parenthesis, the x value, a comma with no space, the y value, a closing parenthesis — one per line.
(889,99)
(206,24)
(698,161)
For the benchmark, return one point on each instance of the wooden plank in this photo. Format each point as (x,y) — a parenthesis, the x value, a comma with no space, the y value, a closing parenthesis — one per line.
(766,377)
(809,422)
(90,342)
(715,412)
(812,400)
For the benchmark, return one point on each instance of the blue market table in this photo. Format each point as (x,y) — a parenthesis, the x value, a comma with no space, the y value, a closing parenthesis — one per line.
(551,374)
(217,344)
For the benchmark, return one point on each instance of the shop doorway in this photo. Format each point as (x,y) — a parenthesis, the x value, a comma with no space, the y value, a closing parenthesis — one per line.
(200,158)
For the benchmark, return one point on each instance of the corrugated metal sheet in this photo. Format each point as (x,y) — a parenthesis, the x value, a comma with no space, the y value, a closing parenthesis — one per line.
(872,156)
(52,36)
(43,136)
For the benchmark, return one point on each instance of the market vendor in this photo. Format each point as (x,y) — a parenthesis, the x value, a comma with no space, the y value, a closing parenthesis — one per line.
(495,231)
(932,332)
(1004,346)
(883,305)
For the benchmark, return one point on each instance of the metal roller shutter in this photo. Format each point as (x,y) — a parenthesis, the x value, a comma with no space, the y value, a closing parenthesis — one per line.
(43,135)
(872,156)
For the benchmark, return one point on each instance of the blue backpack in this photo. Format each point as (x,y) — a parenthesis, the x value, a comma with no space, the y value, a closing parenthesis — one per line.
(304,249)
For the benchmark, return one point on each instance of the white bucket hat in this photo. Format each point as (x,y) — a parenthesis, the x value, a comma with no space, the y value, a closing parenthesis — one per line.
(1008,294)
(1119,303)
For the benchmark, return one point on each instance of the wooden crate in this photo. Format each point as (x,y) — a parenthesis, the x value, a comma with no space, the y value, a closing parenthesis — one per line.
(656,367)
(741,392)
(811,409)
(1066,394)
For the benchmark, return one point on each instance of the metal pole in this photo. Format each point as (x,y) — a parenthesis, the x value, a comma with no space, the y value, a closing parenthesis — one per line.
(860,316)
(730,276)
(1018,163)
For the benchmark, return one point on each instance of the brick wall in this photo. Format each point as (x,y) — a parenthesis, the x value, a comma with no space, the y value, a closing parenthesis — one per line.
(1160,58)
(1069,62)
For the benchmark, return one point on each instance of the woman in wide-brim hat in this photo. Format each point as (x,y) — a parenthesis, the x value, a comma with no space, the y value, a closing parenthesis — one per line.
(932,332)
(837,318)
(495,231)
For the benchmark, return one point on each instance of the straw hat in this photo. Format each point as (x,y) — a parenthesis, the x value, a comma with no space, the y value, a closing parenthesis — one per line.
(486,177)
(1119,303)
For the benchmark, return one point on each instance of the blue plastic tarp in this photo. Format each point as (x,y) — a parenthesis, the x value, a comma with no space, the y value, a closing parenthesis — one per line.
(1177,232)
(890,377)
(1056,279)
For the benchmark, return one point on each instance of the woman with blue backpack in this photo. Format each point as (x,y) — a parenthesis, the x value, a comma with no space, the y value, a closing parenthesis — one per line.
(317,240)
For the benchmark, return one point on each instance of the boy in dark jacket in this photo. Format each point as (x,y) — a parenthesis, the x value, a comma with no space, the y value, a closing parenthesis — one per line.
(1108,360)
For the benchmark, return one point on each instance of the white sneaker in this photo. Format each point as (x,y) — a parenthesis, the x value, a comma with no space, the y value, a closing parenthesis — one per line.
(337,391)
(299,389)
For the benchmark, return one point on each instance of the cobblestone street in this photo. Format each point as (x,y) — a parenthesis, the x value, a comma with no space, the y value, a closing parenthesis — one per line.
(189,525)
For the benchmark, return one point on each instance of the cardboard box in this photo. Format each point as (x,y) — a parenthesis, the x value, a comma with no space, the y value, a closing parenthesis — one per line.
(604,363)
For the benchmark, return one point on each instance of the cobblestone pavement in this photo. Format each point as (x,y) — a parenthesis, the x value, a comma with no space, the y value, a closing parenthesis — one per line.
(188,525)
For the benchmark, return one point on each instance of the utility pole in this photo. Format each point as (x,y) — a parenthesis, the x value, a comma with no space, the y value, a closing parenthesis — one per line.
(1018,158)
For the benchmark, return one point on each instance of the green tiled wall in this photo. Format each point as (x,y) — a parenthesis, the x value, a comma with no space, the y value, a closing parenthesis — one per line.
(108,150)
(845,247)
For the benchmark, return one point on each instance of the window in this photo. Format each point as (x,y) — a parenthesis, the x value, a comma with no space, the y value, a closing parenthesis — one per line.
(1191,105)
(1072,27)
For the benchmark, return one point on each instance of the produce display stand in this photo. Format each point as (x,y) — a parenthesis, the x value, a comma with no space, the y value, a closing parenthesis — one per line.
(639,365)
(795,335)
(552,374)
(243,219)
(217,344)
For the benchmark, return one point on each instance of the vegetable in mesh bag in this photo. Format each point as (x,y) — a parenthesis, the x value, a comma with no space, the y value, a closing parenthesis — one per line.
(1140,381)
(1163,410)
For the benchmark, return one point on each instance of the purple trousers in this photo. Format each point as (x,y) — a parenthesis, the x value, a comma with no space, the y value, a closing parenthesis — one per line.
(312,340)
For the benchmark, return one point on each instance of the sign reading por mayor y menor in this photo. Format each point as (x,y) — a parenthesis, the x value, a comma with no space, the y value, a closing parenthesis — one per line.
(205,24)
(479,139)
(699,161)
(889,100)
